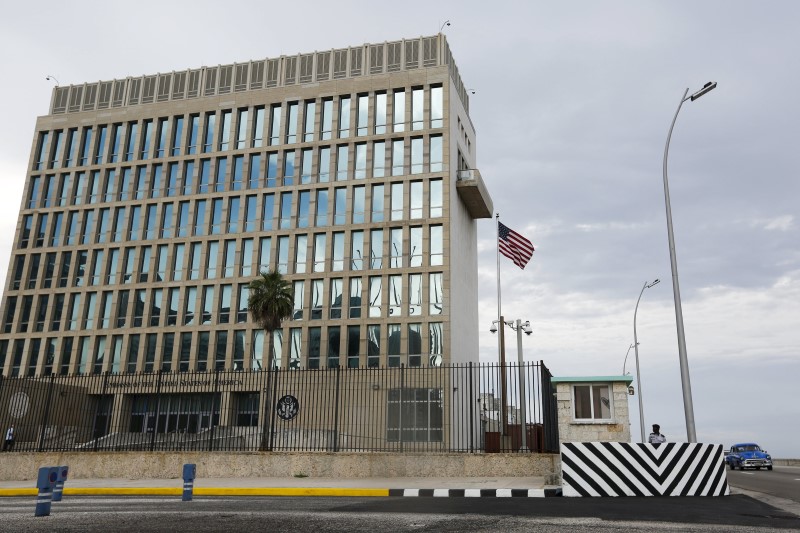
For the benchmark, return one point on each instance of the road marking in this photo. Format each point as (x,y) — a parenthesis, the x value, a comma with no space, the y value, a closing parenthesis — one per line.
(749,473)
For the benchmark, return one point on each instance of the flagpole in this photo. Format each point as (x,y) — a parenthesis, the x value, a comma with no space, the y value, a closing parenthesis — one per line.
(501,336)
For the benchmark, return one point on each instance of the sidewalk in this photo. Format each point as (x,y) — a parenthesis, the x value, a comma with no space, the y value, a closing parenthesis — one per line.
(295,486)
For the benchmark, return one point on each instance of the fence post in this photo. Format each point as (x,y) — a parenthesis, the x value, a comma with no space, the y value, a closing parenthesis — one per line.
(272,410)
(336,413)
(213,401)
(265,423)
(46,415)
(471,413)
(158,410)
(400,414)
(97,409)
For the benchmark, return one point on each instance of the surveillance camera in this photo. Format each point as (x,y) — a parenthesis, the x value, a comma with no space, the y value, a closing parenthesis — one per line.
(526,327)
(493,329)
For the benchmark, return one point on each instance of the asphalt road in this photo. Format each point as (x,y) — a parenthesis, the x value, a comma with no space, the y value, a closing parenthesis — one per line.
(736,513)
(781,481)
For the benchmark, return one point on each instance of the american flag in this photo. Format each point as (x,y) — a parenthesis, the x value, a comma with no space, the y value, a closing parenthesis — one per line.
(514,246)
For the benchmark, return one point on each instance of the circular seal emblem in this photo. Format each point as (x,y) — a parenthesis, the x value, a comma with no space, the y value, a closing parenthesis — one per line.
(18,405)
(288,407)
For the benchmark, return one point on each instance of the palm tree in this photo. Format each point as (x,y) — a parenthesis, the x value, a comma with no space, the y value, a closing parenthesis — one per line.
(270,302)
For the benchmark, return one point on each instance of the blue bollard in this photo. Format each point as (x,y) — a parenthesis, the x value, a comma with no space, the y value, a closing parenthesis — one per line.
(58,490)
(45,481)
(189,473)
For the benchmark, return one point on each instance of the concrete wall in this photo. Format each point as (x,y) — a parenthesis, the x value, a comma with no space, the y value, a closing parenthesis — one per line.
(168,465)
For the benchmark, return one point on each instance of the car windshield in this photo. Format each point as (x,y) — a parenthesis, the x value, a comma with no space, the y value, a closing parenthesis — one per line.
(751,448)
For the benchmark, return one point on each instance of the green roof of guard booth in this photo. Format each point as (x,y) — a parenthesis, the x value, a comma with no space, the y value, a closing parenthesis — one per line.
(590,379)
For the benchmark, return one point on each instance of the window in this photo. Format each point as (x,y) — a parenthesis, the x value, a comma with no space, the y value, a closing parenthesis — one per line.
(435,199)
(340,206)
(344,117)
(361,161)
(161,139)
(241,132)
(255,172)
(416,156)
(99,154)
(225,131)
(592,402)
(308,130)
(291,123)
(399,111)
(147,132)
(324,164)
(355,298)
(177,135)
(437,246)
(398,157)
(208,142)
(314,345)
(353,346)
(437,107)
(378,159)
(194,126)
(417,103)
(334,335)
(275,125)
(414,415)
(436,153)
(436,293)
(362,115)
(258,128)
(380,113)
(326,120)
(342,155)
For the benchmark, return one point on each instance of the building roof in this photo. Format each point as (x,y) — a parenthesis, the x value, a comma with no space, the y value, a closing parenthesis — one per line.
(591,379)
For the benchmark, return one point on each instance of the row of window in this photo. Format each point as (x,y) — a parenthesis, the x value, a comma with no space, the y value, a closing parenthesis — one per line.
(311,347)
(232,258)
(144,182)
(234,214)
(288,123)
(412,414)
(392,296)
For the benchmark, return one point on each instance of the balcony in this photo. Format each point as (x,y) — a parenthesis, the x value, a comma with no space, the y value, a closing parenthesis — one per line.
(473,193)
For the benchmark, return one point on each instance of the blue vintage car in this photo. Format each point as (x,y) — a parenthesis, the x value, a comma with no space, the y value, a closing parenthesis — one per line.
(748,455)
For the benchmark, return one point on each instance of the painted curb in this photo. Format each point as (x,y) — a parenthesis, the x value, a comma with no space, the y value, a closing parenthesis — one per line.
(296,491)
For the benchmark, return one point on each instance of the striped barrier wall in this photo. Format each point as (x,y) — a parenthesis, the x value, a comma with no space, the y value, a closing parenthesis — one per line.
(625,469)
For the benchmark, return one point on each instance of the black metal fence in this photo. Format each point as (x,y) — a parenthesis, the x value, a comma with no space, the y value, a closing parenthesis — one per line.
(464,408)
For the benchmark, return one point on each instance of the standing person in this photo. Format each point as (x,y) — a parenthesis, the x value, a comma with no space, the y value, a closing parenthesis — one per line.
(8,444)
(656,437)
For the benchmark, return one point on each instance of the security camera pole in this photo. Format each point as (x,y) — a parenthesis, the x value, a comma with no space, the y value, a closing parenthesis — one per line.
(522,397)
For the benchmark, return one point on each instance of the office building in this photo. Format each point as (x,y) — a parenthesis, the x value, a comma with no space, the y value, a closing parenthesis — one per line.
(151,202)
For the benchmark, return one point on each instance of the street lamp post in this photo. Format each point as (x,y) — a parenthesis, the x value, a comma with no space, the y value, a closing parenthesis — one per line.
(636,352)
(688,408)
(519,327)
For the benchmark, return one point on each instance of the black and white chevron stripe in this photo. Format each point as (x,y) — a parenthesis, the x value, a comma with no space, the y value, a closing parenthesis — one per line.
(625,469)
(476,493)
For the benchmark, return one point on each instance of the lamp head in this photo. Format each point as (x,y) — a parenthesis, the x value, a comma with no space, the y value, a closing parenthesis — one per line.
(708,87)
(493,329)
(526,327)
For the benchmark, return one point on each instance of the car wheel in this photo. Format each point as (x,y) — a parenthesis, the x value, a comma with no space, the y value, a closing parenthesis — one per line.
(769,468)
(758,468)
(730,465)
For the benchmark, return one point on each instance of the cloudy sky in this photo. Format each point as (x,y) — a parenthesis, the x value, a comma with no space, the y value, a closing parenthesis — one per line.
(572,105)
